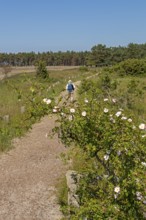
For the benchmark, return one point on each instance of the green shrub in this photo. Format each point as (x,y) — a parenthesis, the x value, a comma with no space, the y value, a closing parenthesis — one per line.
(42,70)
(113,187)
(83,68)
(132,67)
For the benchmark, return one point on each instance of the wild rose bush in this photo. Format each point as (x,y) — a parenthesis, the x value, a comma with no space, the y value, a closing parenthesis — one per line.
(36,103)
(114,188)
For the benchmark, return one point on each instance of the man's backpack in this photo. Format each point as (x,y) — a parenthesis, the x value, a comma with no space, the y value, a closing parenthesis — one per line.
(70,87)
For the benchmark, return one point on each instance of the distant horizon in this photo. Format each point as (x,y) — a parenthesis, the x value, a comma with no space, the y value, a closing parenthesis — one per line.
(69,50)
(78,25)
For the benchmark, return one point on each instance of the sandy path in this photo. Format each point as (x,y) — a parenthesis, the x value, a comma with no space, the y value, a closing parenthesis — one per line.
(28,174)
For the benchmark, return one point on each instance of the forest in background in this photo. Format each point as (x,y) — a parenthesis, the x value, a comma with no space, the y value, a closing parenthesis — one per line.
(100,55)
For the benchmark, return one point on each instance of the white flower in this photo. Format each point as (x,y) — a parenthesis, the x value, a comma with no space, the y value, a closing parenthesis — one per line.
(114,100)
(47,101)
(118,113)
(129,120)
(105,100)
(134,127)
(143,163)
(86,100)
(117,189)
(70,117)
(105,110)
(84,113)
(143,136)
(139,196)
(106,157)
(44,100)
(142,126)
(54,110)
(124,118)
(72,110)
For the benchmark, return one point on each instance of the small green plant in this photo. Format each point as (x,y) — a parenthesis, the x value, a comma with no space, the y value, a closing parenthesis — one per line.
(41,70)
(83,68)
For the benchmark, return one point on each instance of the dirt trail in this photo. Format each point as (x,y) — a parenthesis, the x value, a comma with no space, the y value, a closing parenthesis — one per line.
(28,174)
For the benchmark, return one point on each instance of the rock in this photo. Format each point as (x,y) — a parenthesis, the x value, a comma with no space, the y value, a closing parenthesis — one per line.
(72,180)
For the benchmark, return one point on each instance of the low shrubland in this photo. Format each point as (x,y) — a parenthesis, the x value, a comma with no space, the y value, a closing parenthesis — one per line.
(107,124)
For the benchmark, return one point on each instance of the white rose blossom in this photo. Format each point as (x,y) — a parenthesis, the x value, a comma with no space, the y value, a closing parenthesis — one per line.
(117,189)
(105,110)
(124,118)
(114,100)
(142,126)
(86,100)
(129,120)
(47,101)
(44,100)
(62,114)
(106,157)
(55,110)
(139,196)
(118,113)
(72,110)
(143,136)
(84,113)
(143,163)
(70,117)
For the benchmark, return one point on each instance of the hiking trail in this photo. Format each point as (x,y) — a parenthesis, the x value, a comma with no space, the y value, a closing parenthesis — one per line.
(29,173)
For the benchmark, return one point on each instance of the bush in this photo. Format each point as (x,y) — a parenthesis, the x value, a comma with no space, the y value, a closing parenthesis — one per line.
(131,67)
(83,68)
(42,70)
(114,186)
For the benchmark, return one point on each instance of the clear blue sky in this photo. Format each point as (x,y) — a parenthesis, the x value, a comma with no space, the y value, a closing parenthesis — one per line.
(78,25)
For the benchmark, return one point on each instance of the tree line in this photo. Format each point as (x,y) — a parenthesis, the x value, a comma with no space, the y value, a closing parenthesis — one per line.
(99,55)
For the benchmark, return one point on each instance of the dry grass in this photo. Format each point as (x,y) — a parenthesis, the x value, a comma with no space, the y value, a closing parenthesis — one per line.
(31,69)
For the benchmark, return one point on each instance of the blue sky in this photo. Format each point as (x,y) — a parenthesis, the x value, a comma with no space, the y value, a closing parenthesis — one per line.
(78,25)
